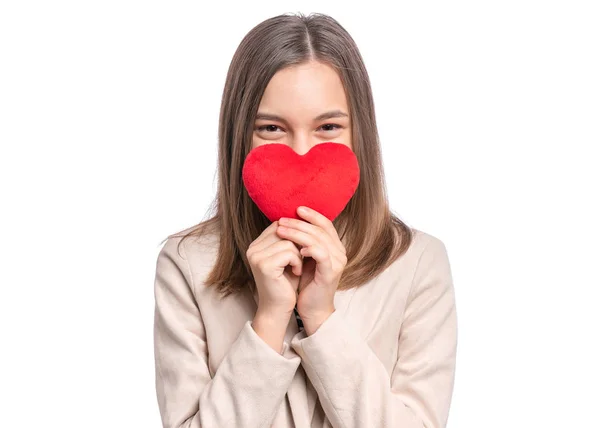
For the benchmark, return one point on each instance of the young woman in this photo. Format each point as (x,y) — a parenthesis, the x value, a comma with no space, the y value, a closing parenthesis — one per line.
(302,323)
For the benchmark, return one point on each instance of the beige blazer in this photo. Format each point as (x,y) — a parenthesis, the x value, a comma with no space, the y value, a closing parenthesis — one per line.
(385,358)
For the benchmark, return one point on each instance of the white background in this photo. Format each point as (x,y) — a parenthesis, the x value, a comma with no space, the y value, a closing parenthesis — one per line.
(489,117)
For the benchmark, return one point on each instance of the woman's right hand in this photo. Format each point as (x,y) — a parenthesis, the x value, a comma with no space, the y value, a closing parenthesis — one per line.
(276,265)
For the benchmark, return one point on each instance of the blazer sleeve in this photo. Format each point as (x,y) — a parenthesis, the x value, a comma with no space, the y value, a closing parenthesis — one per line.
(249,384)
(353,385)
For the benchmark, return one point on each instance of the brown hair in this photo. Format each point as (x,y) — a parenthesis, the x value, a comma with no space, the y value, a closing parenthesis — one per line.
(375,236)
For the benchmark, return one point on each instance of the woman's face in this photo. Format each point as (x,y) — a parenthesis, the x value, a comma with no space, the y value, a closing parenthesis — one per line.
(302,106)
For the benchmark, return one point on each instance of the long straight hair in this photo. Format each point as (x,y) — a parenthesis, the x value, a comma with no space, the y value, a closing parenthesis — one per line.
(375,236)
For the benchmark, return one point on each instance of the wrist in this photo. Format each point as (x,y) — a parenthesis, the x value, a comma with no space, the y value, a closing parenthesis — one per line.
(273,316)
(316,316)
(271,327)
(313,322)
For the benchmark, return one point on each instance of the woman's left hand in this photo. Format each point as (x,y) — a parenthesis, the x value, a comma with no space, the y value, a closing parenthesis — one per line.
(324,262)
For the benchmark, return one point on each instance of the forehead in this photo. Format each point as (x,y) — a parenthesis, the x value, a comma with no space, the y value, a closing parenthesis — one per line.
(304,90)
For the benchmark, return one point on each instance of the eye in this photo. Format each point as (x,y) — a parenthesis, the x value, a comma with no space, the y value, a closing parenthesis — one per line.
(264,127)
(331,124)
(273,128)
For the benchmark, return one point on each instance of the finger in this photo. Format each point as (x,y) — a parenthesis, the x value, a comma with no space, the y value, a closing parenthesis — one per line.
(283,258)
(266,238)
(318,219)
(333,240)
(339,259)
(303,239)
(318,234)
(320,255)
(279,246)
(265,233)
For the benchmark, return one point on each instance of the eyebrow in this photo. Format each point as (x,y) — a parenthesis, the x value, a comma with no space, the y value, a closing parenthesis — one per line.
(327,115)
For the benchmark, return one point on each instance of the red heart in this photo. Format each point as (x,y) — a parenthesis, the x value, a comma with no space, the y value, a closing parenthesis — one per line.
(279,180)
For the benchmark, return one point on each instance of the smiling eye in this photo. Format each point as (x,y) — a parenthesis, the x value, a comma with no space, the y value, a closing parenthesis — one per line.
(273,128)
(264,127)
(331,124)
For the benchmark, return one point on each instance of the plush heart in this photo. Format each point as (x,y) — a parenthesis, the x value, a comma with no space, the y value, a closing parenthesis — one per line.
(279,180)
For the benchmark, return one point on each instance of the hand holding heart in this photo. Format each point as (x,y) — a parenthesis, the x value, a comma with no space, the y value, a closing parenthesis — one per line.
(324,262)
(281,182)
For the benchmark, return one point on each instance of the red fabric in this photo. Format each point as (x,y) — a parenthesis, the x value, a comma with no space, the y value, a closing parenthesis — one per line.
(279,180)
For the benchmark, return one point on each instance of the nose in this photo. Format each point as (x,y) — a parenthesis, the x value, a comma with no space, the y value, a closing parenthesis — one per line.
(301,144)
